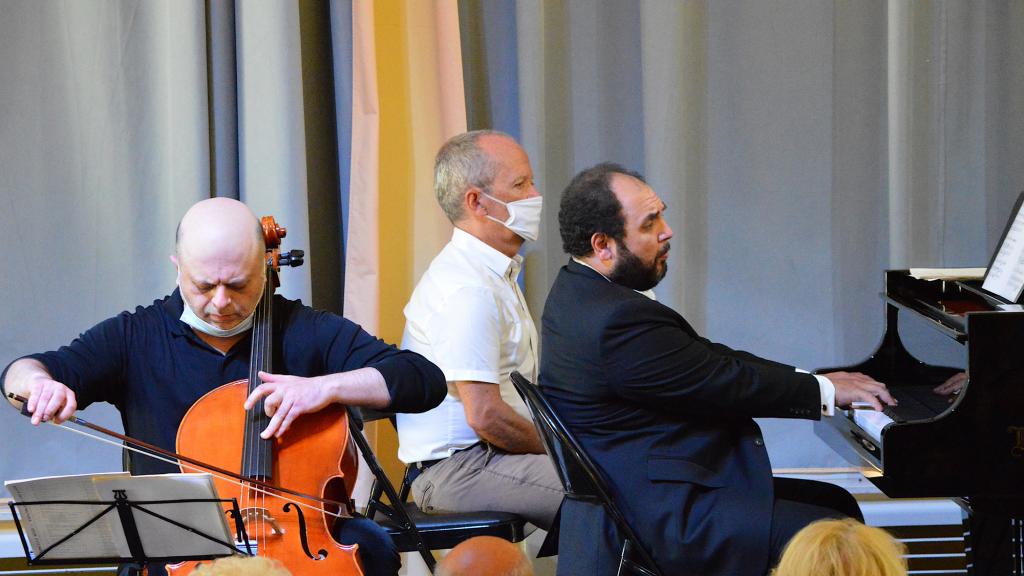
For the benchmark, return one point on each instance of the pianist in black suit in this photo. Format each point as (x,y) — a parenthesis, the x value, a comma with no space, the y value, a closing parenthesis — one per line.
(664,412)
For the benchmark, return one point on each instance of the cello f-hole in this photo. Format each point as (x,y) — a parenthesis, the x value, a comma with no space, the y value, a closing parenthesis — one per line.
(321,553)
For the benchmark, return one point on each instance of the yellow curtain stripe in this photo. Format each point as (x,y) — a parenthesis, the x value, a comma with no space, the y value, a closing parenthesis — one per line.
(396,179)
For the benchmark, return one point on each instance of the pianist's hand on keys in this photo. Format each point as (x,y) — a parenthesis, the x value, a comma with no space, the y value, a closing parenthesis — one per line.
(857,387)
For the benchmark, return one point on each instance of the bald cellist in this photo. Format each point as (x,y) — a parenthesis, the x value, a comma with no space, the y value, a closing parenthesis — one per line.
(154,363)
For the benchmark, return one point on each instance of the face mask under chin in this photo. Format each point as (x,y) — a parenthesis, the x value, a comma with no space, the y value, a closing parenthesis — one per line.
(189,317)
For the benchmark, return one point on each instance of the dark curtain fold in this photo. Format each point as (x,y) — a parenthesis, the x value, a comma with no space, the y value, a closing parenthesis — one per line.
(222,95)
(323,186)
(341,40)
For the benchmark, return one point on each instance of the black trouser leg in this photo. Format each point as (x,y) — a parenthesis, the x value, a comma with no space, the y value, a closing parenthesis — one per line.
(377,551)
(800,502)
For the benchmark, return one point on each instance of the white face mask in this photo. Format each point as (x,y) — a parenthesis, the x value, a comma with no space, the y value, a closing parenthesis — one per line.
(189,317)
(523,216)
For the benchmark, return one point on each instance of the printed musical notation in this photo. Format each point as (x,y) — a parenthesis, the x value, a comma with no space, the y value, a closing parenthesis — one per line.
(1006,274)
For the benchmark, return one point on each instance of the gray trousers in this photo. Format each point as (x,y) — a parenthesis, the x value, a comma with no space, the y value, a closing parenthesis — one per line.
(483,477)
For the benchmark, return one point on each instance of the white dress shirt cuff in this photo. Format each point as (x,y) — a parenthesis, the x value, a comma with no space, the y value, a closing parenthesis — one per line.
(828,393)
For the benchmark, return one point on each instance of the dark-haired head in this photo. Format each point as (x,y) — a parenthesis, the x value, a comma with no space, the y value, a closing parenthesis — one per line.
(589,206)
(611,220)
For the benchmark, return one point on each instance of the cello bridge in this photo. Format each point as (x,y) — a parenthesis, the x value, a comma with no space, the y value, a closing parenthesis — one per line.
(261,516)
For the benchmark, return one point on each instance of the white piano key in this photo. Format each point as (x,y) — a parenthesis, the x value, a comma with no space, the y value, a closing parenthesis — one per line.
(872,423)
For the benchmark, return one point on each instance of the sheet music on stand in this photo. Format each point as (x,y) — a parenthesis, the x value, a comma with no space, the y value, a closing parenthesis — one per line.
(1005,276)
(117,517)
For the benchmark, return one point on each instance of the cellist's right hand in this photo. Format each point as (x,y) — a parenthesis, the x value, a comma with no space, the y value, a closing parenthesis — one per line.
(48,399)
(285,398)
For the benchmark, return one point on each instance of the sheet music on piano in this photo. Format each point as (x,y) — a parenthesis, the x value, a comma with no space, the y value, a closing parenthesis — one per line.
(1005,275)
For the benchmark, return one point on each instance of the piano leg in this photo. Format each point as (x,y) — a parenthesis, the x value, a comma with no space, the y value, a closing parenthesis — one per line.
(996,542)
(1018,545)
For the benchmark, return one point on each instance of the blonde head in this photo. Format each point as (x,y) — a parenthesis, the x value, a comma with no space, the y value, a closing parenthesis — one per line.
(842,548)
(242,566)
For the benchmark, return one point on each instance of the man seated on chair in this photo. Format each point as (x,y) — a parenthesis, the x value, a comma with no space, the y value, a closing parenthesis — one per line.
(154,363)
(479,449)
(666,413)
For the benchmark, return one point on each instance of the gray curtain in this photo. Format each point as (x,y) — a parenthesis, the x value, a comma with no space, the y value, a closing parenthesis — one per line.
(802,147)
(115,117)
(103,145)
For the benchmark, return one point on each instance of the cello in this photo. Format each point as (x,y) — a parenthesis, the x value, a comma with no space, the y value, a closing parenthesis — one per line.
(314,457)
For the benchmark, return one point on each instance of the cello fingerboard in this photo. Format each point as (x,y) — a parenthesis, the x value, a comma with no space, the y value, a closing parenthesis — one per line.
(258,454)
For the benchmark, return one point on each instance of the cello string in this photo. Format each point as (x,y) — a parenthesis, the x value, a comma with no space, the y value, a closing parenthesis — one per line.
(250,423)
(200,469)
(255,424)
(264,364)
(252,416)
(259,341)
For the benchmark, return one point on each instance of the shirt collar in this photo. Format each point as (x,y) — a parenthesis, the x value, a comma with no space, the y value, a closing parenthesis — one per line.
(173,306)
(648,293)
(493,259)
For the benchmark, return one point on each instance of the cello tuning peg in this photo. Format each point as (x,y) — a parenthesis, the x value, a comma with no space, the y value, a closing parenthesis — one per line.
(292,258)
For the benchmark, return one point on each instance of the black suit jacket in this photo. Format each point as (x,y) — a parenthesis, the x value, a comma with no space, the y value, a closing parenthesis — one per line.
(668,415)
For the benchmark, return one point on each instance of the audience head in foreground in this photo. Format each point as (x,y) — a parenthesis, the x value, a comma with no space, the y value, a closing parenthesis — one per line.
(242,566)
(842,548)
(485,555)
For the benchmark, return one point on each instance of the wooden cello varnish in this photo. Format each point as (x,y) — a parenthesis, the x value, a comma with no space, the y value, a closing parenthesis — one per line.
(314,457)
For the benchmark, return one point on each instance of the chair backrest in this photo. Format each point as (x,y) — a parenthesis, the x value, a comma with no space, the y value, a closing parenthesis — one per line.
(396,511)
(580,477)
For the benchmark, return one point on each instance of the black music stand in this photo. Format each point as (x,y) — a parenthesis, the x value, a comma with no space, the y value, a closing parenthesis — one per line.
(187,548)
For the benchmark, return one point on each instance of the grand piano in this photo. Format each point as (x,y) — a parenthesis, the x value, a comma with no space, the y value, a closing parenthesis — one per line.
(969,446)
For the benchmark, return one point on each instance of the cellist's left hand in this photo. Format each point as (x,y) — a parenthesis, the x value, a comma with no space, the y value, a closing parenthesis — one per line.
(286,398)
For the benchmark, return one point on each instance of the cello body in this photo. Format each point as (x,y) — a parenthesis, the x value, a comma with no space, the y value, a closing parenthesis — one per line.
(314,457)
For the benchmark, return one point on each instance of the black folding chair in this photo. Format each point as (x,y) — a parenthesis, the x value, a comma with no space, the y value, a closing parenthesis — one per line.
(581,478)
(410,528)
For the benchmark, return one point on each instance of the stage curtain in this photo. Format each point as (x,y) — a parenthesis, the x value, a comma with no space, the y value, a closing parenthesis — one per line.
(802,148)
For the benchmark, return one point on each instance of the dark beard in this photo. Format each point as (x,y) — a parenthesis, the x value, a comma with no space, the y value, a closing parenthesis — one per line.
(631,272)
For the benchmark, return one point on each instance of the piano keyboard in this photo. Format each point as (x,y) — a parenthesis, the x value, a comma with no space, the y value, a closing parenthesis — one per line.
(871,422)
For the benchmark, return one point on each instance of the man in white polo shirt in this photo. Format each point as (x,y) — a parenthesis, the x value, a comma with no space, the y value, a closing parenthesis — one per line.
(479,449)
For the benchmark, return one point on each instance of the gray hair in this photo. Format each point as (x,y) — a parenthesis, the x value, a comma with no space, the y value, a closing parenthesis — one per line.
(460,164)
